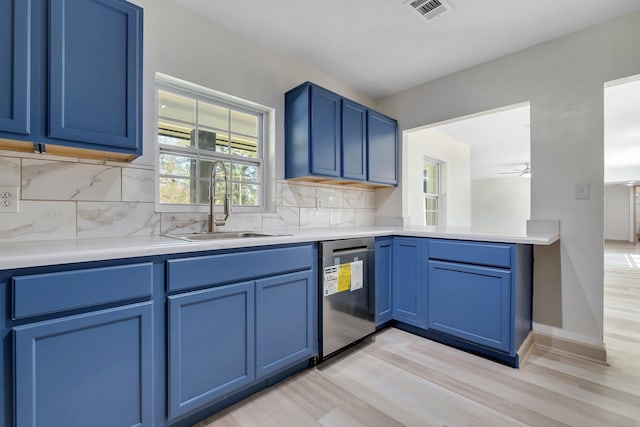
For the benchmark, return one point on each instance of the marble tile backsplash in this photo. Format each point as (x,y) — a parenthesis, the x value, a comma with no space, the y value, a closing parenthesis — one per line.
(68,198)
(55,180)
(9,171)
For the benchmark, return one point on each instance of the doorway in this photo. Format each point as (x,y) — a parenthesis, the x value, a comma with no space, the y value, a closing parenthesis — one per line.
(637,212)
(622,220)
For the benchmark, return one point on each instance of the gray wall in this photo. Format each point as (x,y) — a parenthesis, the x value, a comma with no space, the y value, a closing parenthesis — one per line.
(563,79)
(500,203)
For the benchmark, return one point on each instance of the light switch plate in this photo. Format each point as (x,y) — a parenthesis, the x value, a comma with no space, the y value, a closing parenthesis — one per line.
(582,191)
(9,200)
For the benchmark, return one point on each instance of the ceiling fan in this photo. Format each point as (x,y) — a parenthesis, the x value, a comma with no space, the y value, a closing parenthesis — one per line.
(526,171)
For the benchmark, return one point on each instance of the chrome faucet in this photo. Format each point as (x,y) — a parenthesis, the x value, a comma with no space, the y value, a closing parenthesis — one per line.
(212,220)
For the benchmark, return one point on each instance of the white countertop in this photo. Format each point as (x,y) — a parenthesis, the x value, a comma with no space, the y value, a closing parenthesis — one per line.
(39,253)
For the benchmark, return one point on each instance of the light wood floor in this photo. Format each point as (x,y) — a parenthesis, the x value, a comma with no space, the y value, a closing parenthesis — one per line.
(401,379)
(622,302)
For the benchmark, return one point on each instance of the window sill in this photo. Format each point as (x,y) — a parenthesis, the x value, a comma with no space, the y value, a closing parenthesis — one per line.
(193,209)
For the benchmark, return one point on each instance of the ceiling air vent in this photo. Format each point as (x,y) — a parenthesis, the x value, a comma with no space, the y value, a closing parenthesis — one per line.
(430,9)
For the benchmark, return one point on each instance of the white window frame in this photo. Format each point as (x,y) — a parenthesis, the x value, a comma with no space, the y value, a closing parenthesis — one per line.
(265,151)
(432,196)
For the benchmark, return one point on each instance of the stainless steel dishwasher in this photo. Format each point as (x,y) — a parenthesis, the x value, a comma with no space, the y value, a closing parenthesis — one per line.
(347,298)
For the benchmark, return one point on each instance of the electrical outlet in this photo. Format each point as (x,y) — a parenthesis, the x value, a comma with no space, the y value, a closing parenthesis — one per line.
(9,200)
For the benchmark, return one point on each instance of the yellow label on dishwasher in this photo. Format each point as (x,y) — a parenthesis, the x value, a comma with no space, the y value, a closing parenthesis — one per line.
(344,277)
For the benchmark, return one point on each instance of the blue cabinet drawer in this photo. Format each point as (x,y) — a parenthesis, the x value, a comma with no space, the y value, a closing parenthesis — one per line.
(480,253)
(212,270)
(41,294)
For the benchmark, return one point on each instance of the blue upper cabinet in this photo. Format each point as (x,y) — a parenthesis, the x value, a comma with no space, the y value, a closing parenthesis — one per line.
(325,132)
(15,65)
(73,70)
(95,70)
(327,138)
(312,132)
(354,141)
(383,149)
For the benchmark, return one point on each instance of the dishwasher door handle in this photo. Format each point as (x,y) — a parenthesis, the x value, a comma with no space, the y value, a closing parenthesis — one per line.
(349,251)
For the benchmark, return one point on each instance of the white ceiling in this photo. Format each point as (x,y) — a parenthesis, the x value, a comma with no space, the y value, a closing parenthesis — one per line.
(380,47)
(499,141)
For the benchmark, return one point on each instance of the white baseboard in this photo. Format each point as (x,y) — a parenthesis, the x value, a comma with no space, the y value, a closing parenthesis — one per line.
(525,349)
(569,335)
(563,346)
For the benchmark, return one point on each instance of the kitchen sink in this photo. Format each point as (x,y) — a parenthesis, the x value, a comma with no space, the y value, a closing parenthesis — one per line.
(218,235)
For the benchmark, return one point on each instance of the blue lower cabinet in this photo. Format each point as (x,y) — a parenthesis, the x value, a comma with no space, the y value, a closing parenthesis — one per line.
(284,321)
(93,369)
(211,345)
(409,290)
(383,280)
(471,302)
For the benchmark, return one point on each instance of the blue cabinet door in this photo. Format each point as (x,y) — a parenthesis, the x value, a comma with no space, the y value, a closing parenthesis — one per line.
(15,65)
(354,141)
(383,280)
(88,370)
(285,321)
(211,345)
(95,70)
(325,132)
(471,302)
(409,289)
(382,150)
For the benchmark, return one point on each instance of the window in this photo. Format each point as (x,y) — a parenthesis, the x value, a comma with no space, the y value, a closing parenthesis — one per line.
(431,190)
(194,131)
